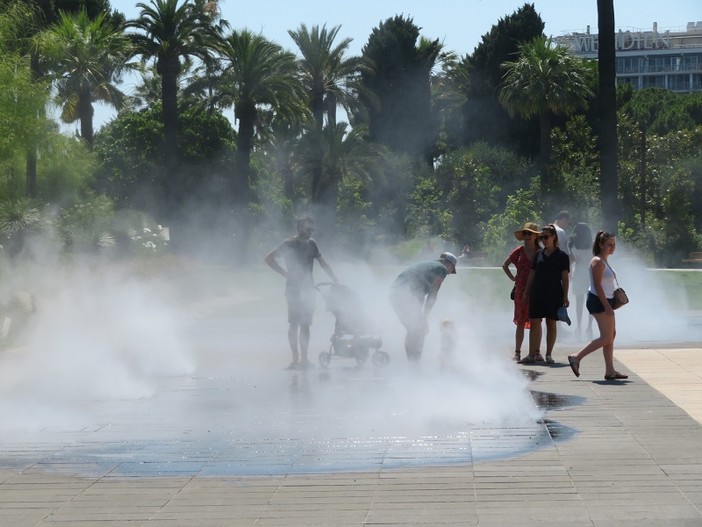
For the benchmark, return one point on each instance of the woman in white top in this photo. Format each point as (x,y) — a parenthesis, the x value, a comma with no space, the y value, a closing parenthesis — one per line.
(600,298)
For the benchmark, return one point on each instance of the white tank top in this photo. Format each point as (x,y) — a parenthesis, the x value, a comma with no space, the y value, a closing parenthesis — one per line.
(607,281)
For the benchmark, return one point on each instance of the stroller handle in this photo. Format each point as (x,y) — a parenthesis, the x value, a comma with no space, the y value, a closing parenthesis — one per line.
(324,284)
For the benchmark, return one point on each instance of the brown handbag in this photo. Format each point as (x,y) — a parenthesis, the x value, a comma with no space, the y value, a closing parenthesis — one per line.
(620,296)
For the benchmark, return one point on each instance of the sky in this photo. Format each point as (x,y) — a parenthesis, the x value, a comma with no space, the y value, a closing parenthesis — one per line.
(459,24)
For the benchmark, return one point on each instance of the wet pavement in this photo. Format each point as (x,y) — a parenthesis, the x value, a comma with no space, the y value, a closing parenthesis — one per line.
(342,419)
(233,439)
(603,454)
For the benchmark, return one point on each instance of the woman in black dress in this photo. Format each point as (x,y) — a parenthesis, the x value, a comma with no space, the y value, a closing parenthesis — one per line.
(548,286)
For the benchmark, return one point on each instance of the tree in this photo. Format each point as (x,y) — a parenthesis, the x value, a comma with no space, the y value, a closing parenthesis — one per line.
(257,74)
(40,14)
(326,73)
(607,98)
(171,33)
(544,81)
(131,168)
(86,57)
(21,98)
(396,88)
(478,77)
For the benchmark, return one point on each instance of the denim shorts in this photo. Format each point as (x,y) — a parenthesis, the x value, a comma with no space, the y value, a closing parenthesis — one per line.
(594,304)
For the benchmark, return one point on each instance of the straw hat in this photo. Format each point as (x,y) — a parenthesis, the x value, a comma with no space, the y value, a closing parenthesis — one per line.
(529,226)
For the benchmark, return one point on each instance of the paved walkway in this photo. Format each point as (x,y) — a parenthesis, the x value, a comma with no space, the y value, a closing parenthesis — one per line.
(633,458)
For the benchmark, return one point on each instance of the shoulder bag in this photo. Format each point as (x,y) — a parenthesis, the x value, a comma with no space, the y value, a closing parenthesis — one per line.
(620,296)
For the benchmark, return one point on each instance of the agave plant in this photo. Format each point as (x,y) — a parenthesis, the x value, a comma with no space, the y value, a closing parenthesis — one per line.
(19,218)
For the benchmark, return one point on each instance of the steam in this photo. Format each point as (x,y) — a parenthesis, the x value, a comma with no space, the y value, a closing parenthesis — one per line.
(110,354)
(91,335)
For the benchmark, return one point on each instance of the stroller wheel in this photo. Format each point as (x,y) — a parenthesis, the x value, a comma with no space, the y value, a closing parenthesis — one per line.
(380,358)
(324,359)
(361,357)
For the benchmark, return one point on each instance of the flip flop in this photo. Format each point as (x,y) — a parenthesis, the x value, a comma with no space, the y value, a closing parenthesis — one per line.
(549,359)
(616,376)
(574,365)
(527,360)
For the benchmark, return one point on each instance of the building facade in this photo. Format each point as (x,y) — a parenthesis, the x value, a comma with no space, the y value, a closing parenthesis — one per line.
(670,59)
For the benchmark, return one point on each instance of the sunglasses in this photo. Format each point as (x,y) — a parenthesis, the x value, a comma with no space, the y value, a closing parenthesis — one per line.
(527,233)
(545,236)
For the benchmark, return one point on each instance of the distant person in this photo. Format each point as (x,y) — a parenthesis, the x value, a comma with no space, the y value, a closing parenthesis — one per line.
(521,258)
(562,223)
(547,287)
(299,253)
(413,294)
(600,299)
(580,250)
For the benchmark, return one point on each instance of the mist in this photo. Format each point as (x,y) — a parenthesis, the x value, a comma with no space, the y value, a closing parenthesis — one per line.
(112,353)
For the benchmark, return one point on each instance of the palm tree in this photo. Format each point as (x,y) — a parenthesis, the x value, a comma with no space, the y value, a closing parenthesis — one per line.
(544,81)
(171,33)
(87,58)
(326,74)
(257,74)
(326,71)
(346,154)
(607,113)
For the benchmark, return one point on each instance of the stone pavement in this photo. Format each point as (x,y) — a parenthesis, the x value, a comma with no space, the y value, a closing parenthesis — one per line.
(617,454)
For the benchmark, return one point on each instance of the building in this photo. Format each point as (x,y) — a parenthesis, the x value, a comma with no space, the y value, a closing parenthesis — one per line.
(645,59)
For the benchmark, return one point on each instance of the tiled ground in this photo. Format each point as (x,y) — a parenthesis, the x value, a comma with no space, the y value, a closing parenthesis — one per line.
(618,453)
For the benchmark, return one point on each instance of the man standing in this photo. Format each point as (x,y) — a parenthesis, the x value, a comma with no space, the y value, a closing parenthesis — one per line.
(562,223)
(412,296)
(299,253)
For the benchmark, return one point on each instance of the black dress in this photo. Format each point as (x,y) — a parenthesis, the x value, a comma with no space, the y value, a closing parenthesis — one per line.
(547,289)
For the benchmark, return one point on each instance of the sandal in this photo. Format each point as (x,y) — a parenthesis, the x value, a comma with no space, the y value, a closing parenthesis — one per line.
(517,356)
(538,357)
(549,359)
(574,365)
(615,376)
(527,360)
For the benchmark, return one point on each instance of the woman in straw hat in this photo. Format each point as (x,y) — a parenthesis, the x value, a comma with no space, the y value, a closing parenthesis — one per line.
(521,257)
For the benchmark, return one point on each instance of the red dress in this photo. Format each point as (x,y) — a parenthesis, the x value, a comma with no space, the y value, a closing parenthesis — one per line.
(519,258)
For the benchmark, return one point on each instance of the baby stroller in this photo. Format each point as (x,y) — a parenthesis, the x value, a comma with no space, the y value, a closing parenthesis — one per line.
(353,337)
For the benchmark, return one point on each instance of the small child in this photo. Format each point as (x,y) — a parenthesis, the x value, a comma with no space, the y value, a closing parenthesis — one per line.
(448,344)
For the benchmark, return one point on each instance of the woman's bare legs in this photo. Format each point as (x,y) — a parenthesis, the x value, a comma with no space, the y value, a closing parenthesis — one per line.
(551,334)
(518,337)
(534,337)
(606,325)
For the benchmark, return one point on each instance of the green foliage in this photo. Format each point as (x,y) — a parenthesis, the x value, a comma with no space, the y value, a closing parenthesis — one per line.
(660,111)
(131,160)
(479,76)
(521,207)
(474,185)
(86,57)
(667,225)
(66,169)
(21,106)
(19,220)
(395,87)
(85,227)
(544,79)
(575,181)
